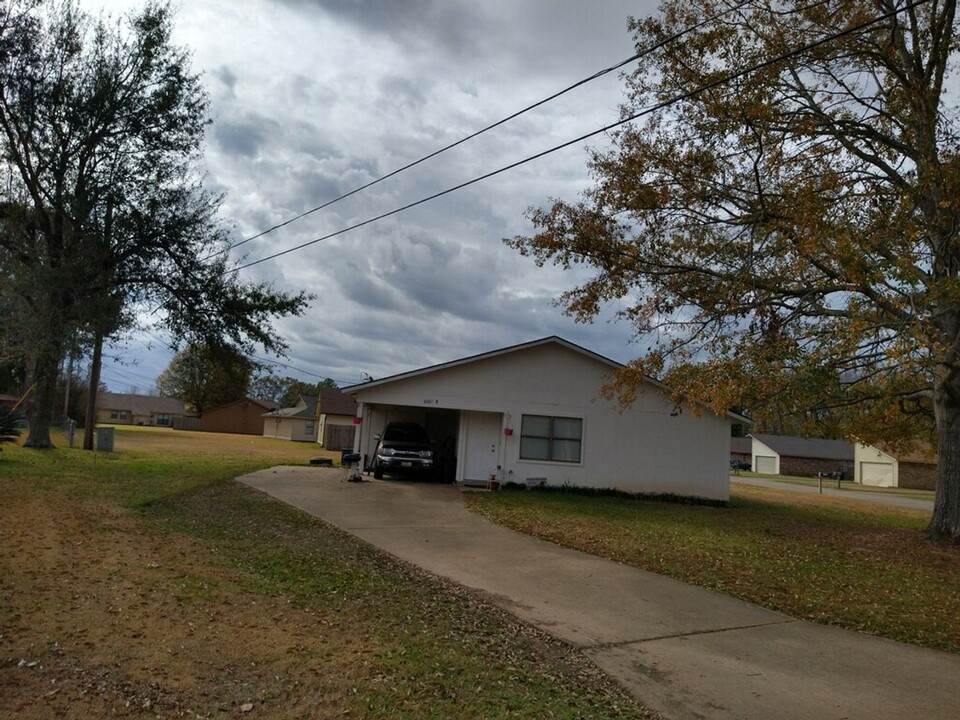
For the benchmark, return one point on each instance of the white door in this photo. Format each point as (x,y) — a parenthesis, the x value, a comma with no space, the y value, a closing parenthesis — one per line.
(766,464)
(481,449)
(877,474)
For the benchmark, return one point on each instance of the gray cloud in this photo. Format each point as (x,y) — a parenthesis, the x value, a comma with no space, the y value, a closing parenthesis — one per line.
(311,99)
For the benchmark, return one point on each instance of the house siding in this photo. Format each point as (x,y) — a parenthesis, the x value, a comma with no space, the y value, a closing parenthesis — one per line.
(242,417)
(810,467)
(918,476)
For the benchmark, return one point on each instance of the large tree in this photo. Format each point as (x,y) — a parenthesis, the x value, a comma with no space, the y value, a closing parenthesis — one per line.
(206,376)
(790,233)
(101,127)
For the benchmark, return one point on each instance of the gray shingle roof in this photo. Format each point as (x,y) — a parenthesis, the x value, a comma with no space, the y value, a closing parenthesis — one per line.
(815,448)
(310,411)
(334,402)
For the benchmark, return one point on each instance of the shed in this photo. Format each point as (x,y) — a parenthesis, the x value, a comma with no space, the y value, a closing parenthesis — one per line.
(533,414)
(293,423)
(883,466)
(791,455)
(243,416)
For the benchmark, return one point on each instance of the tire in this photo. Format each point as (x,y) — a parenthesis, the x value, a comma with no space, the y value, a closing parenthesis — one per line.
(377,471)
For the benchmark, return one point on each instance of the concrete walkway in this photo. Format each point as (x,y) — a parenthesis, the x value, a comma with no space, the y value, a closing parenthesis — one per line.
(683,651)
(830,489)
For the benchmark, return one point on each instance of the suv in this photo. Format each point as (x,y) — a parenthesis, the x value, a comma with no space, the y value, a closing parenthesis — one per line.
(404,447)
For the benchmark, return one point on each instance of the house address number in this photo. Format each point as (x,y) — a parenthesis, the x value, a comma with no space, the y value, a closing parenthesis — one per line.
(430,401)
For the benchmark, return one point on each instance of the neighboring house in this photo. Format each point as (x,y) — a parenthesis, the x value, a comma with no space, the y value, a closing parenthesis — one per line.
(788,455)
(532,414)
(740,448)
(130,409)
(299,422)
(885,467)
(243,416)
(336,412)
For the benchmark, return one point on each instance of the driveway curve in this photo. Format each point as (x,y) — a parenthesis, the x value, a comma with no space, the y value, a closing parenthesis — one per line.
(684,651)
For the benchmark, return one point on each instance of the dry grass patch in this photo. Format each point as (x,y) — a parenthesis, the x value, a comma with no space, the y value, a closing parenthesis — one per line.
(147,584)
(841,562)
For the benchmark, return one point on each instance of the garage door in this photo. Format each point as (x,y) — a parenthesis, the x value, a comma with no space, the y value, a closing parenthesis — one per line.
(879,474)
(766,464)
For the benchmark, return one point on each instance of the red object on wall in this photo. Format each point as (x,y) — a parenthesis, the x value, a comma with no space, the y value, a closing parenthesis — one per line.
(357,421)
(508,431)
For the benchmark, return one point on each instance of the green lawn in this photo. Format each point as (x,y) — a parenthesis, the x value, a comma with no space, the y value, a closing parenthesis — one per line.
(843,563)
(147,583)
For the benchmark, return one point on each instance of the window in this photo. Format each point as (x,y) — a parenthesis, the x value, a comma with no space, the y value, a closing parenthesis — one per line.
(114,415)
(308,428)
(163,419)
(556,439)
(123,414)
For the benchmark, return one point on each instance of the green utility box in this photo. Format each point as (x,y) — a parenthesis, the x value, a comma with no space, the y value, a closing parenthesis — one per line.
(103,439)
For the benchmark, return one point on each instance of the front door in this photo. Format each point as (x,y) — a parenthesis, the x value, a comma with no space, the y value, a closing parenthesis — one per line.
(481,433)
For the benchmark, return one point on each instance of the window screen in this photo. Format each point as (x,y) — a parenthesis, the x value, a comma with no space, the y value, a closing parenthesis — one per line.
(556,439)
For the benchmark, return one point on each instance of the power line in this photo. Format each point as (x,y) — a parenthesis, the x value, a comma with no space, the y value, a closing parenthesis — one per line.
(654,108)
(600,73)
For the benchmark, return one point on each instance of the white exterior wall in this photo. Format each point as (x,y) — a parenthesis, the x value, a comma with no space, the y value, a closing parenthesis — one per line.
(642,449)
(869,454)
(289,429)
(758,448)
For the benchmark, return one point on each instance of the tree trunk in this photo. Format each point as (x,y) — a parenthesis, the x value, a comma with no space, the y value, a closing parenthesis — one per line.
(946,508)
(44,401)
(92,394)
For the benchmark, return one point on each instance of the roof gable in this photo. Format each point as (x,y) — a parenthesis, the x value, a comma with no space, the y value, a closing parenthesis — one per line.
(552,340)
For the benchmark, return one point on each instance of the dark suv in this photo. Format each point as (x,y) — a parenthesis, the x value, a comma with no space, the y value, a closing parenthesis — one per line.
(404,447)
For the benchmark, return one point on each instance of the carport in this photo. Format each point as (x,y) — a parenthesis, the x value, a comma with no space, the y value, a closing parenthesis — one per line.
(467,443)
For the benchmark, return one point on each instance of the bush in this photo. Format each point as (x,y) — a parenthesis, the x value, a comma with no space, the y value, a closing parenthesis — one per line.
(10,423)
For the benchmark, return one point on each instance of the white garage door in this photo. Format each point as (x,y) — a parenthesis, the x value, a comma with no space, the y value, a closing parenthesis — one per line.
(878,474)
(766,464)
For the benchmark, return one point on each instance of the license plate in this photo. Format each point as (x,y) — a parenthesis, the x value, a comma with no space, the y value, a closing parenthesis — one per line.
(406,464)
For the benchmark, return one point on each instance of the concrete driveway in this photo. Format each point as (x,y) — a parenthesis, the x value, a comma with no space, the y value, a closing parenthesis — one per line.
(683,651)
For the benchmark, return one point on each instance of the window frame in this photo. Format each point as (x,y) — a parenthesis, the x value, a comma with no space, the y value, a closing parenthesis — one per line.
(551,438)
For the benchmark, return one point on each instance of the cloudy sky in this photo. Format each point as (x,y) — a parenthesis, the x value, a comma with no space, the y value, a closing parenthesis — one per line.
(312,98)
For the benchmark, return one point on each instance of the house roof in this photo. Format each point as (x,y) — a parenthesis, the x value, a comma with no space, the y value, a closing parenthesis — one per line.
(266,405)
(924,453)
(141,404)
(741,445)
(551,340)
(790,446)
(306,408)
(334,402)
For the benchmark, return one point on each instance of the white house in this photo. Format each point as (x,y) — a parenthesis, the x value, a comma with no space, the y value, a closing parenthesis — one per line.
(293,423)
(533,414)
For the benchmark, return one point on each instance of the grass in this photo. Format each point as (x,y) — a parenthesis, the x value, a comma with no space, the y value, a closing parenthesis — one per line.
(838,562)
(147,583)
